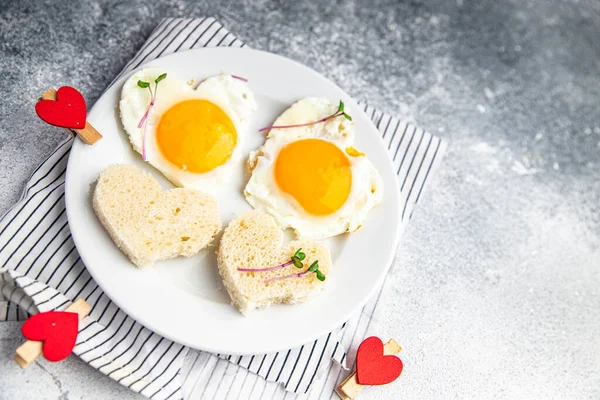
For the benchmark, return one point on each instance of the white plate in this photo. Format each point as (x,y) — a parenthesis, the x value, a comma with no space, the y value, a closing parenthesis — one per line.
(183,299)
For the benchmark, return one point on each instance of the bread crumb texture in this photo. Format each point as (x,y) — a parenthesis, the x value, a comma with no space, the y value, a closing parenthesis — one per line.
(253,240)
(148,223)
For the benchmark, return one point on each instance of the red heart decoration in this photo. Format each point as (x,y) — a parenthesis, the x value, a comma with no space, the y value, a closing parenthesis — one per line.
(68,111)
(57,329)
(372,367)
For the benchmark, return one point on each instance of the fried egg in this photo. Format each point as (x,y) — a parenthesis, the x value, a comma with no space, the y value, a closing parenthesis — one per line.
(311,178)
(193,136)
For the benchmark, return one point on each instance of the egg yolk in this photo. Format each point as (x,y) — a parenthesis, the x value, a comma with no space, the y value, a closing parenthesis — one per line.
(315,173)
(196,135)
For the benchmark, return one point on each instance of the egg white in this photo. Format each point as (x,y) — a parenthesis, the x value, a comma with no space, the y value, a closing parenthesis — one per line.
(263,193)
(232,95)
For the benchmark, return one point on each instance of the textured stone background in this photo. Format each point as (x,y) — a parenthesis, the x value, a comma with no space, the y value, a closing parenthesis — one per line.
(495,292)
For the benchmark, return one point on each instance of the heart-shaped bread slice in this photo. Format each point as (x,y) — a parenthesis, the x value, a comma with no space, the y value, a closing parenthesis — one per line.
(254,241)
(148,223)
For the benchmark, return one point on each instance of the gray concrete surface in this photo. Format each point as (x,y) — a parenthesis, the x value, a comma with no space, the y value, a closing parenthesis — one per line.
(496,289)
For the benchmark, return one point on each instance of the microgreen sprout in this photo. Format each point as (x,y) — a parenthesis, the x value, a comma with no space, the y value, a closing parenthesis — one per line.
(160,78)
(296,259)
(145,85)
(320,276)
(340,112)
(313,269)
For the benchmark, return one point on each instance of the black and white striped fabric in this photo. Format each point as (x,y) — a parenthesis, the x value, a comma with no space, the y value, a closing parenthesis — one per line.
(42,271)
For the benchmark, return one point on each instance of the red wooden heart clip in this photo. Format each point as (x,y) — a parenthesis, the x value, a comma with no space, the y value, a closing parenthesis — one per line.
(372,367)
(66,108)
(376,364)
(53,333)
(67,111)
(57,329)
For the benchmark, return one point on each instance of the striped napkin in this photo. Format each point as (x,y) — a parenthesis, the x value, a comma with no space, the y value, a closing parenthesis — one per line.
(42,271)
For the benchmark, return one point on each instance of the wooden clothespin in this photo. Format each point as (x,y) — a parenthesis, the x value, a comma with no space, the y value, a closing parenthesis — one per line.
(32,349)
(66,108)
(369,360)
